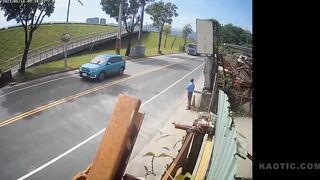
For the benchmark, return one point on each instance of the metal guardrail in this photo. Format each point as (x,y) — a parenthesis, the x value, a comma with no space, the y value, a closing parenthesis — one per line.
(239,48)
(43,53)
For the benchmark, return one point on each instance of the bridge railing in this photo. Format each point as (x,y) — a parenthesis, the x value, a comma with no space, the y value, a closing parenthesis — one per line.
(44,52)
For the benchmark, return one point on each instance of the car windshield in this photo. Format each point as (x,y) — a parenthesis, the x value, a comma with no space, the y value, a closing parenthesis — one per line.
(192,46)
(99,60)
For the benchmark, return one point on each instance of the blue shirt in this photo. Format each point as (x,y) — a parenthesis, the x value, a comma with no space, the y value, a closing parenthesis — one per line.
(190,87)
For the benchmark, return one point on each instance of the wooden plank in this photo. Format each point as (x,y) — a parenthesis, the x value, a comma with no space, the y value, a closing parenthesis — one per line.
(204,162)
(134,129)
(117,143)
(180,158)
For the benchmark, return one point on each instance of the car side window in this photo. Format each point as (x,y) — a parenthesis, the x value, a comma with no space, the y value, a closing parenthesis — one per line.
(117,59)
(111,60)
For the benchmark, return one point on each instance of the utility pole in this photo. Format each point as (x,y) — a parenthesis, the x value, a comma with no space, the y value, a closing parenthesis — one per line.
(143,3)
(118,42)
(66,41)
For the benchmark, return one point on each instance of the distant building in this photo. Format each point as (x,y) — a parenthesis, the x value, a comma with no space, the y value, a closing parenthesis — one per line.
(103,21)
(89,20)
(94,20)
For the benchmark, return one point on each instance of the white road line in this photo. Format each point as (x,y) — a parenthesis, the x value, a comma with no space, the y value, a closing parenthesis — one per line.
(173,84)
(33,86)
(96,134)
(71,75)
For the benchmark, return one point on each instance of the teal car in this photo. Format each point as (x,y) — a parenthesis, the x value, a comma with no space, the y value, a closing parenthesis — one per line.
(103,65)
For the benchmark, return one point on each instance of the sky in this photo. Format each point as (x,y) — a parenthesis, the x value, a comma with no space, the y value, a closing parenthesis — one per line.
(237,12)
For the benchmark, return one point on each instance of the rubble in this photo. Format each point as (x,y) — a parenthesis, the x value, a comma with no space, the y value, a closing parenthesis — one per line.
(238,69)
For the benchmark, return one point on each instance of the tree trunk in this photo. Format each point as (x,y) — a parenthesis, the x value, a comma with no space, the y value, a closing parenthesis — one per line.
(141,22)
(27,43)
(159,41)
(175,37)
(165,42)
(24,58)
(185,41)
(129,44)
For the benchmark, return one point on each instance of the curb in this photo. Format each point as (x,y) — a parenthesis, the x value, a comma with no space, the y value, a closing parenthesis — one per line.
(46,75)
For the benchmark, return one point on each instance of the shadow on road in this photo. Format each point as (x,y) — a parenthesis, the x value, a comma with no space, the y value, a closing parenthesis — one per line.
(189,58)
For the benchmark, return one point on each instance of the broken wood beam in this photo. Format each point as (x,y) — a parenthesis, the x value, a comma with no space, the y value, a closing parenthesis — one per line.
(180,158)
(118,140)
(196,127)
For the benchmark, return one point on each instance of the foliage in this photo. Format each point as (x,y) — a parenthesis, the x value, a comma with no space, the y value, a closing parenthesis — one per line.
(153,155)
(30,15)
(161,13)
(130,16)
(186,31)
(236,35)
(231,34)
(234,100)
(166,31)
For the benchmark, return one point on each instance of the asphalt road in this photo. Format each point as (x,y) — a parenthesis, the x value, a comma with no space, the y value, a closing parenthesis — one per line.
(50,128)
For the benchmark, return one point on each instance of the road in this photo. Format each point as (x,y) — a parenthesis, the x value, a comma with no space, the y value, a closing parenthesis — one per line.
(51,128)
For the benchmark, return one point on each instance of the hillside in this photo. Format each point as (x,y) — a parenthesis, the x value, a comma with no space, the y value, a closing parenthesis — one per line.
(150,40)
(12,40)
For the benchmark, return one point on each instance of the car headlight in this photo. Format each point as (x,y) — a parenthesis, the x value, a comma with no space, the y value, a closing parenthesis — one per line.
(93,70)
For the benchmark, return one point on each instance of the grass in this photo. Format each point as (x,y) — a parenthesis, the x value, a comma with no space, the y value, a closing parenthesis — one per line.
(150,40)
(45,34)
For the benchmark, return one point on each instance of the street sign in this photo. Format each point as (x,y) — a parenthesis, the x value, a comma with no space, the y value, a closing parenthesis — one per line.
(65,37)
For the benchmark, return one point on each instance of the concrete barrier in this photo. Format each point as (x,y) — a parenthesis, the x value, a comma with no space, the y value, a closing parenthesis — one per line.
(5,78)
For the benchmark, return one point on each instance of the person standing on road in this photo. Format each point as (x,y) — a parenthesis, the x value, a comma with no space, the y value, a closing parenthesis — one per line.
(190,89)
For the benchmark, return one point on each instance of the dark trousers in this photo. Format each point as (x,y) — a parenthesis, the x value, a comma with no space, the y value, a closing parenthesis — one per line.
(189,99)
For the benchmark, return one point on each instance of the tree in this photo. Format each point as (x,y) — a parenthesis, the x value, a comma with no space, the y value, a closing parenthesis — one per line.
(217,35)
(30,15)
(236,35)
(160,14)
(186,31)
(166,31)
(130,16)
(142,6)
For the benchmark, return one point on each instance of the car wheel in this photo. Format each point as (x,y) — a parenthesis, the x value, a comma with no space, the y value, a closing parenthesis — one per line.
(102,76)
(121,71)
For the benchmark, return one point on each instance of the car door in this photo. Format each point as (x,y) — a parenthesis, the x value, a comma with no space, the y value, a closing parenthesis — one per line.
(118,64)
(111,66)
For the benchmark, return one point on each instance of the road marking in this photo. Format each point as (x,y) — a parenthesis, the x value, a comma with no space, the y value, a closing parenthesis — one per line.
(173,84)
(69,98)
(69,75)
(96,134)
(33,86)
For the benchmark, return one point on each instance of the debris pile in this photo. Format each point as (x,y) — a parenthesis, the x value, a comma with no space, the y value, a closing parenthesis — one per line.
(235,77)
